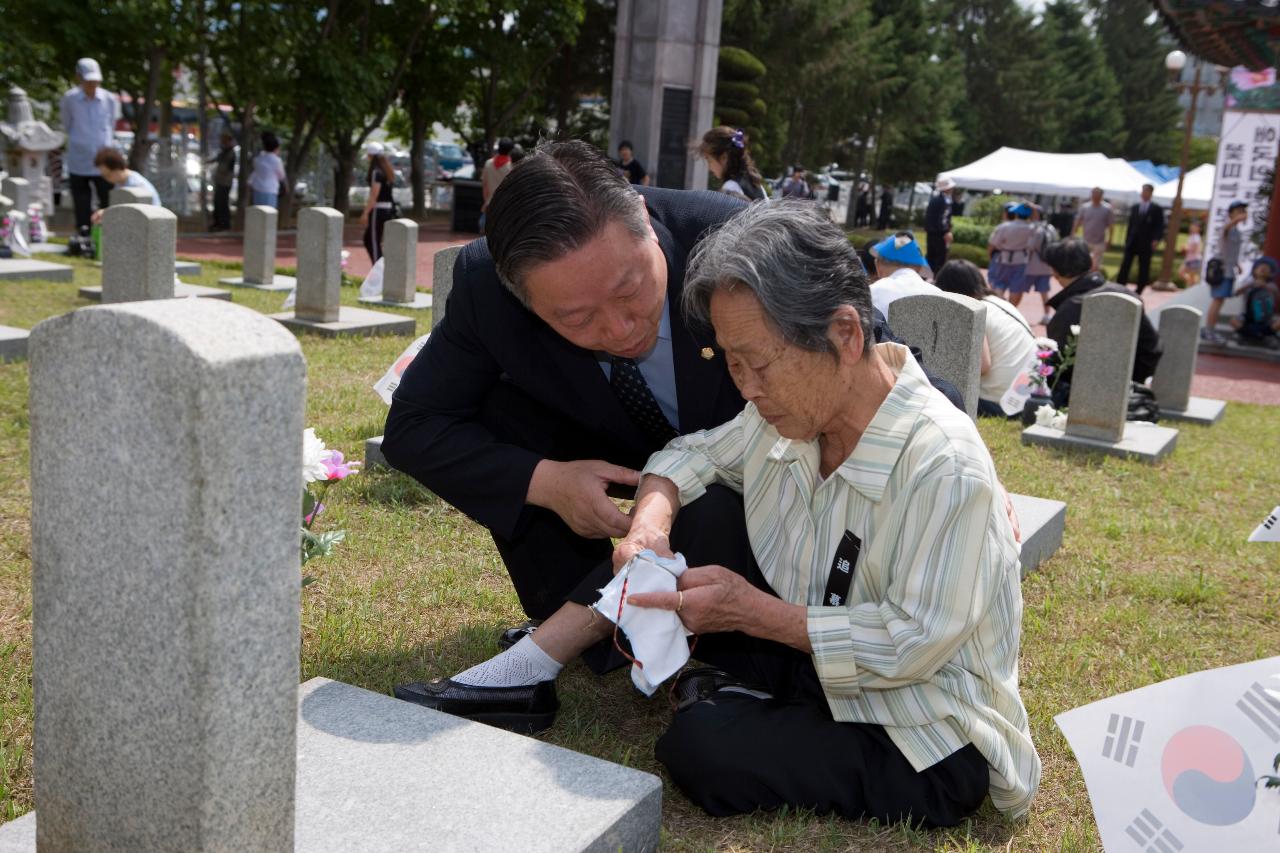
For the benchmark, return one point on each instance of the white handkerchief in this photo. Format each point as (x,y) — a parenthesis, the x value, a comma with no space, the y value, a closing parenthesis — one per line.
(658,638)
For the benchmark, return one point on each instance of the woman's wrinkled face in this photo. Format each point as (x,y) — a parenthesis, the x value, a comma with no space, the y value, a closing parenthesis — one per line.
(795,390)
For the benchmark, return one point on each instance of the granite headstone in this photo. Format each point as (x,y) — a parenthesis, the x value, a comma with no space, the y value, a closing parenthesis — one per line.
(400,270)
(166,591)
(1105,351)
(948,330)
(1179,336)
(319,264)
(442,281)
(137,252)
(130,195)
(260,244)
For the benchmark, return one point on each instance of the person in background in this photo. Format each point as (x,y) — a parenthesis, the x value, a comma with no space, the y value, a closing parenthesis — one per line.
(89,114)
(1073,267)
(995,278)
(937,224)
(1229,256)
(795,185)
(630,166)
(224,175)
(1037,274)
(268,172)
(114,169)
(495,169)
(1008,345)
(886,208)
(517,153)
(1146,230)
(379,209)
(862,210)
(1192,255)
(897,258)
(725,150)
(1259,322)
(1097,222)
(1012,241)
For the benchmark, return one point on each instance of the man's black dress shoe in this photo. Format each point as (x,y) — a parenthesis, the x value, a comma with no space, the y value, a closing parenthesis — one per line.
(511,636)
(526,710)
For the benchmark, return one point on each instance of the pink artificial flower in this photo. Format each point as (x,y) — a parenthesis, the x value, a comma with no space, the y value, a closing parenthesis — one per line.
(1044,354)
(1046,370)
(315,512)
(337,468)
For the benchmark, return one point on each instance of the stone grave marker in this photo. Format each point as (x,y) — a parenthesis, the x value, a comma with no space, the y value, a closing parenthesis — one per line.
(441,284)
(169,592)
(137,195)
(137,257)
(318,309)
(20,192)
(1100,387)
(196,737)
(13,343)
(129,195)
(1180,336)
(259,271)
(400,268)
(948,329)
(942,326)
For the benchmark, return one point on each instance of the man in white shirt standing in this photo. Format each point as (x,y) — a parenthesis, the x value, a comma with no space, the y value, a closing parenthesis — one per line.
(1097,221)
(897,259)
(89,114)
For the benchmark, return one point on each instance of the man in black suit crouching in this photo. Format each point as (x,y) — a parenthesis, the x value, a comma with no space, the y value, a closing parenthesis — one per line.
(563,361)
(1146,230)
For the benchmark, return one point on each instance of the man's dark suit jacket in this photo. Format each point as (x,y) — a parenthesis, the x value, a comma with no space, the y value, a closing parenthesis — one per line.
(434,431)
(1144,230)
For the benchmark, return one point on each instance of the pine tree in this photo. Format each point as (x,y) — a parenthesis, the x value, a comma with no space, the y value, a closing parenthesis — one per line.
(1086,96)
(1135,43)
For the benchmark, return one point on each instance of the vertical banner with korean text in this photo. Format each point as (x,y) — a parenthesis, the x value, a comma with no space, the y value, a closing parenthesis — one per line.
(1246,153)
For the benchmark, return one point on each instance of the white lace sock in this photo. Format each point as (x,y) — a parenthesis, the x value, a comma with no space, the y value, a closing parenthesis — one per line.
(521,665)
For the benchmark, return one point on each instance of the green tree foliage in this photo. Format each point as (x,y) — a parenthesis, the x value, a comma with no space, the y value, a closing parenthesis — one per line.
(738,101)
(1135,43)
(1085,95)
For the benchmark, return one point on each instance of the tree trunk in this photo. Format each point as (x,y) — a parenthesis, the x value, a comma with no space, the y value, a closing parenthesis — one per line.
(417,144)
(246,164)
(142,111)
(344,152)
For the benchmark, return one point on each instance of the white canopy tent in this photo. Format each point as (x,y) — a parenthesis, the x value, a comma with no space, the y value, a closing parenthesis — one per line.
(1015,170)
(1197,189)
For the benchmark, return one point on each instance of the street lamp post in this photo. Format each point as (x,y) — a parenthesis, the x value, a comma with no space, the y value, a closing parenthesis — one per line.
(1175,62)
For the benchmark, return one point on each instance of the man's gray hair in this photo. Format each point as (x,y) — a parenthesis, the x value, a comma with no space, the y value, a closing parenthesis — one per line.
(797,263)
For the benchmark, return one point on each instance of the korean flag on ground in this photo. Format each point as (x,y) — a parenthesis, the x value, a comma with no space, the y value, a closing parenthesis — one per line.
(1174,767)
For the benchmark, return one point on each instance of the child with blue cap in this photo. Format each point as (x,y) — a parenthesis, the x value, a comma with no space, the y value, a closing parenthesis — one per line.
(1259,323)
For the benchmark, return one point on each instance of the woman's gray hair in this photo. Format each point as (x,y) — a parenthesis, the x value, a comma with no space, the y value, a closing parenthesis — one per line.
(797,263)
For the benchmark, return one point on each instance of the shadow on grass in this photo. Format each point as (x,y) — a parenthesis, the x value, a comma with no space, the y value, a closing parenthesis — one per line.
(391,489)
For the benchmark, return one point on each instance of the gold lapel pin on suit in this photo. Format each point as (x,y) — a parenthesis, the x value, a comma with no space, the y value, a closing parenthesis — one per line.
(708,353)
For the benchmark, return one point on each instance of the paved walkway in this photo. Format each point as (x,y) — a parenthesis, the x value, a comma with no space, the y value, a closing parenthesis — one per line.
(432,237)
(1217,377)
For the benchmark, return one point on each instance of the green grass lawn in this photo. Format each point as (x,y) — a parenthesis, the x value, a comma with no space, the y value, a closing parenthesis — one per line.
(1155,579)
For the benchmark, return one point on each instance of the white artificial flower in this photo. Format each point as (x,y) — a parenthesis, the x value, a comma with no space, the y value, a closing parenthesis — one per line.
(1075,331)
(1047,343)
(313,456)
(1045,415)
(1059,421)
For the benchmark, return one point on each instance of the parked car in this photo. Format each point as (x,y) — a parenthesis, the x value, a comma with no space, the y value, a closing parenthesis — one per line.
(451,158)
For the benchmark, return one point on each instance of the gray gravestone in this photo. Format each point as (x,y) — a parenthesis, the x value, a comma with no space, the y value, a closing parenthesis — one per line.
(18,191)
(129,195)
(442,281)
(1180,338)
(317,305)
(259,267)
(260,244)
(13,343)
(1104,362)
(400,269)
(166,628)
(319,264)
(948,329)
(137,252)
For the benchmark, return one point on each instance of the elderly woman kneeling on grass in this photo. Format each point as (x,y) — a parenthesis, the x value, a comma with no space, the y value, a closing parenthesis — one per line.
(867,643)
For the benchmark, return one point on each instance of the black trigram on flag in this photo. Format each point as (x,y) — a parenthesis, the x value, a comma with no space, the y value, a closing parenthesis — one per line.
(1123,737)
(1151,835)
(1263,709)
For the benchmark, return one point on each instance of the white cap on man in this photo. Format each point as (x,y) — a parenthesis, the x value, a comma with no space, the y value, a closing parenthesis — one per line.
(87,69)
(373,149)
(945,184)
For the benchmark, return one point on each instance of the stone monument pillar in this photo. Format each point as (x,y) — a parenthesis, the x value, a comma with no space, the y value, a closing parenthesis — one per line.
(665,58)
